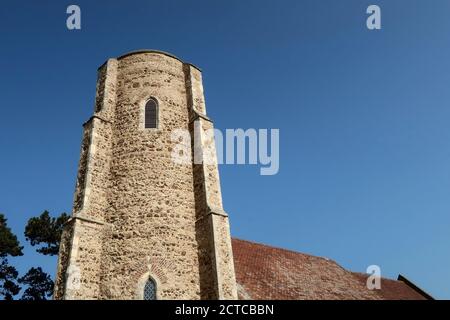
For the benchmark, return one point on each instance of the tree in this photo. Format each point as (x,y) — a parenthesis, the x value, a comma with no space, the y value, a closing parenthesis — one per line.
(46,231)
(9,246)
(8,280)
(40,285)
(43,231)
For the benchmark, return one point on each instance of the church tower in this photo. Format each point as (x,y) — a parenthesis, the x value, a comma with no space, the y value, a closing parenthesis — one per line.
(144,226)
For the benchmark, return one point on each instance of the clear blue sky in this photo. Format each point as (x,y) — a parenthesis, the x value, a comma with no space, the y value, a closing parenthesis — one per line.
(364,117)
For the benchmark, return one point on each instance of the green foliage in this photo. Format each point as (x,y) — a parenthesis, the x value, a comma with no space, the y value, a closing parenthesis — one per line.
(9,245)
(40,285)
(46,231)
(43,231)
(8,276)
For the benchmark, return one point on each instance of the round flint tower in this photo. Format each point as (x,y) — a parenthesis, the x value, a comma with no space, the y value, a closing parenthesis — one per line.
(144,226)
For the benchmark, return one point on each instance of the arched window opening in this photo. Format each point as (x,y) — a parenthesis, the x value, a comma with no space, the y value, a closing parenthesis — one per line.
(150,290)
(151,114)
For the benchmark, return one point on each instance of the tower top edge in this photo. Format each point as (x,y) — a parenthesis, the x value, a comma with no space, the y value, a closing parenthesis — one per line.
(152,51)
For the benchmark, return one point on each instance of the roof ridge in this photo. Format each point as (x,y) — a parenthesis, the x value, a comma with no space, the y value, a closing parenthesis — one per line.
(368,274)
(286,250)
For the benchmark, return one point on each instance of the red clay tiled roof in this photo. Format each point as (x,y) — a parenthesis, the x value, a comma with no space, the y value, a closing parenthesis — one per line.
(265,272)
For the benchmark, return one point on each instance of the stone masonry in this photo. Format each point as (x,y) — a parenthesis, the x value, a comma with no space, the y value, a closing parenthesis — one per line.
(137,214)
